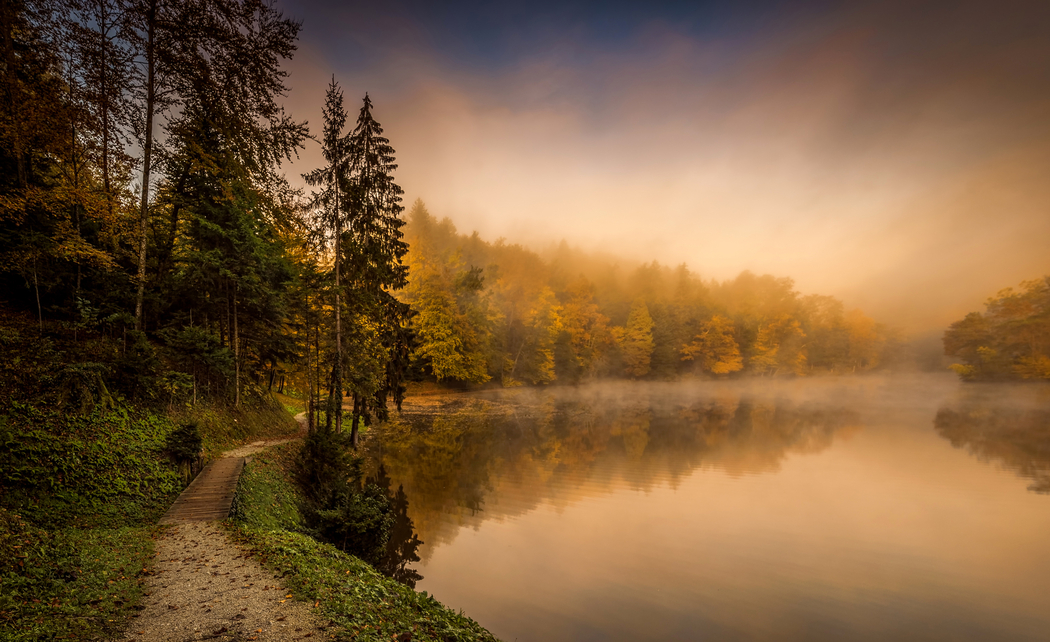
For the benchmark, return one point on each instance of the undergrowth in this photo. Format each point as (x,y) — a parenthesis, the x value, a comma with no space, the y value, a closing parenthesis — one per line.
(100,469)
(223,427)
(361,603)
(76,584)
(89,456)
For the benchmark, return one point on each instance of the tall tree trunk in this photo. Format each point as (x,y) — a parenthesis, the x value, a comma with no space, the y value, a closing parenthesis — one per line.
(36,286)
(147,151)
(353,422)
(104,98)
(76,189)
(317,370)
(338,327)
(309,376)
(236,355)
(7,24)
(330,407)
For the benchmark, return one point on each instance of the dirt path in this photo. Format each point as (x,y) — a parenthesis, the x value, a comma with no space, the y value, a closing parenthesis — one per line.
(257,446)
(206,587)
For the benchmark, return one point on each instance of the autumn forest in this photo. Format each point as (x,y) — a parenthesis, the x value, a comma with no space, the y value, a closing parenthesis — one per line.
(143,204)
(192,273)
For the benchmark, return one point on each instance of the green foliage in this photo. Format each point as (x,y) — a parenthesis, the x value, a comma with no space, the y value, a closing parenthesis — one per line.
(68,583)
(358,522)
(199,352)
(362,603)
(341,507)
(293,405)
(266,499)
(354,596)
(77,493)
(58,468)
(82,387)
(137,370)
(184,443)
(222,427)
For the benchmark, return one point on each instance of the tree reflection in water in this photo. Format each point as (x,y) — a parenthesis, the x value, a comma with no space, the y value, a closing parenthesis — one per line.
(494,456)
(402,547)
(1017,438)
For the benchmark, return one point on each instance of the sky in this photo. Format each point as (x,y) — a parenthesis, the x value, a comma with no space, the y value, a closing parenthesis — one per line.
(895,154)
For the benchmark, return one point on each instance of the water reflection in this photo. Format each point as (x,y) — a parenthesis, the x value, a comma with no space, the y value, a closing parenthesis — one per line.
(816,510)
(402,546)
(1018,438)
(466,460)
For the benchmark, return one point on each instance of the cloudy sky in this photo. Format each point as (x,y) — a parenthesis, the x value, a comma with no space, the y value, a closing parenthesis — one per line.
(894,154)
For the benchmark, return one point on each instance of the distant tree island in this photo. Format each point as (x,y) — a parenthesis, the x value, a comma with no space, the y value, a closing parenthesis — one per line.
(1009,341)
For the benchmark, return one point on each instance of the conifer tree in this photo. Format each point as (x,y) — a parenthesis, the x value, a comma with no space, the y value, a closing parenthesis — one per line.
(331,206)
(373,251)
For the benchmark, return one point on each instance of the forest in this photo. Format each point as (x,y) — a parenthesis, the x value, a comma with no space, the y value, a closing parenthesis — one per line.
(1009,341)
(168,292)
(499,312)
(144,209)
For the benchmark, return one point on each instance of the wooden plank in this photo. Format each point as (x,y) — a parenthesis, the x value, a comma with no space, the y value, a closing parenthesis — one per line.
(209,497)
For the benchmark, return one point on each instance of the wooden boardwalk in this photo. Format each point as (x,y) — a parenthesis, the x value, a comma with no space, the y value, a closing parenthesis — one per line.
(209,496)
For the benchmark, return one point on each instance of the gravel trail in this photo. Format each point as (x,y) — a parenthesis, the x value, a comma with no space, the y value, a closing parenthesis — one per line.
(203,586)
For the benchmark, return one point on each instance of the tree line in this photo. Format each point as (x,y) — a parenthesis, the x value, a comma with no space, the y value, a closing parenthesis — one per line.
(143,208)
(498,312)
(1009,341)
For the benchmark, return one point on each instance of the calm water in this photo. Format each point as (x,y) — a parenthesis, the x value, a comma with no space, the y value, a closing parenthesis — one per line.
(849,509)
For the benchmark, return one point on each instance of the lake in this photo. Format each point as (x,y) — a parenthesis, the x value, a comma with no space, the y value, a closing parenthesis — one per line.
(854,508)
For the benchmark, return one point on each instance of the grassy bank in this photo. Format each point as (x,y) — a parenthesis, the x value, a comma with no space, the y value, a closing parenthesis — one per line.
(361,603)
(69,583)
(79,497)
(86,469)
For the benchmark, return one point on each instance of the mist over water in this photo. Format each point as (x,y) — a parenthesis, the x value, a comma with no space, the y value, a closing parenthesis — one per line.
(906,507)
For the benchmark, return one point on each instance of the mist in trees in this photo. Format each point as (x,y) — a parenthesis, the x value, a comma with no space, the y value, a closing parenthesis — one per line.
(1009,341)
(500,312)
(142,200)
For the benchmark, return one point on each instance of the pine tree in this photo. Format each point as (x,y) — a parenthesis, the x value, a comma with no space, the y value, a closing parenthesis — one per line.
(373,250)
(331,206)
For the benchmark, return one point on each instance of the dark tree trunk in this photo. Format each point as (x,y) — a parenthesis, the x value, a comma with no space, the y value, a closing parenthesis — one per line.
(147,151)
(356,418)
(236,355)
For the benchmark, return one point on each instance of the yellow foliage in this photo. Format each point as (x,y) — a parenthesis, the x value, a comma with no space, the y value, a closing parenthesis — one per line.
(715,348)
